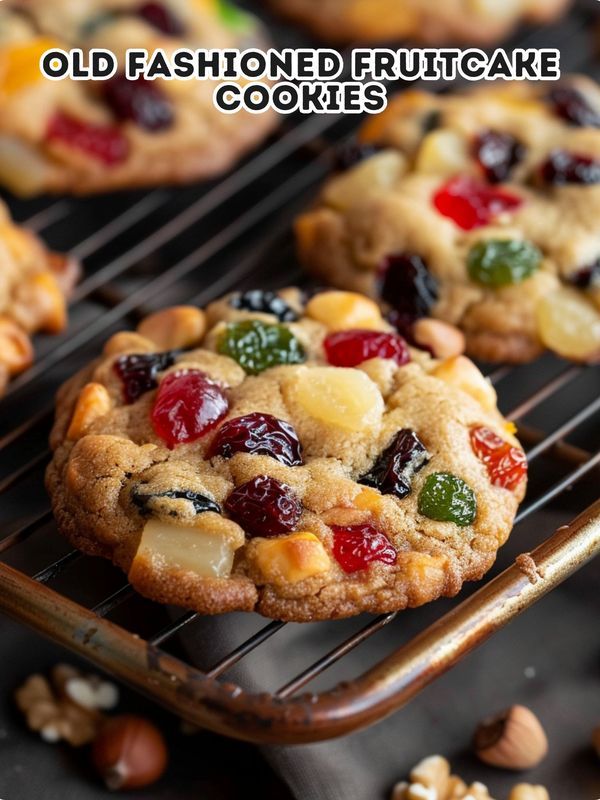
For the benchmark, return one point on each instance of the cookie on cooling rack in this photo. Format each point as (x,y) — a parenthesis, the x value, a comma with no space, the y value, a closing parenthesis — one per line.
(480,208)
(475,21)
(284,455)
(33,286)
(82,136)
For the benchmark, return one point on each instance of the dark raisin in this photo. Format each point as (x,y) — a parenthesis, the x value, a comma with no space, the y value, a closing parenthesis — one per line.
(201,503)
(587,277)
(162,18)
(497,154)
(264,507)
(140,101)
(406,284)
(352,153)
(263,302)
(393,471)
(563,167)
(572,106)
(139,373)
(259,434)
(431,121)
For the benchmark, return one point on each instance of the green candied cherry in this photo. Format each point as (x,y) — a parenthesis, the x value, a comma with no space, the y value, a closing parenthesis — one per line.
(233,17)
(502,262)
(257,345)
(447,498)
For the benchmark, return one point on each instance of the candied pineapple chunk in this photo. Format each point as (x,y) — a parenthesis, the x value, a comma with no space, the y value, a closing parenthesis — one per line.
(379,172)
(344,310)
(20,64)
(461,372)
(569,324)
(209,555)
(291,559)
(443,152)
(346,398)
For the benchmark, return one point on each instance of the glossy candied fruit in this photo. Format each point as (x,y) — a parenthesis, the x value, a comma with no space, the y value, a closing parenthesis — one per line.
(263,302)
(506,464)
(187,406)
(259,434)
(105,143)
(563,168)
(406,284)
(162,18)
(264,507)
(587,277)
(497,153)
(139,373)
(352,347)
(472,204)
(502,262)
(447,498)
(257,346)
(355,547)
(393,471)
(569,324)
(140,101)
(570,104)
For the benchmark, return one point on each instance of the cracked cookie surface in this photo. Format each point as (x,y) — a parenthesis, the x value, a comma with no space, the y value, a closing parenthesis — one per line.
(479,208)
(475,21)
(34,284)
(284,454)
(88,136)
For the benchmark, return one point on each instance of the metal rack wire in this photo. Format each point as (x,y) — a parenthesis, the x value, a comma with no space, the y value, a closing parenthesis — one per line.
(147,250)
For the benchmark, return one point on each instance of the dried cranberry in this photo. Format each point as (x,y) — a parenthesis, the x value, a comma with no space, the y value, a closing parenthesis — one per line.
(572,106)
(187,406)
(393,471)
(357,546)
(162,18)
(349,348)
(261,435)
(506,465)
(144,500)
(352,153)
(139,373)
(140,101)
(497,154)
(405,283)
(264,507)
(471,204)
(105,143)
(563,167)
(264,302)
(587,277)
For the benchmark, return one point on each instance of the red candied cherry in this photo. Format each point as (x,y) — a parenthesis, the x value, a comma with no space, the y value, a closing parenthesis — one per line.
(497,153)
(264,507)
(187,406)
(260,434)
(105,143)
(351,347)
(357,546)
(562,167)
(573,107)
(472,204)
(139,373)
(162,18)
(506,465)
(141,101)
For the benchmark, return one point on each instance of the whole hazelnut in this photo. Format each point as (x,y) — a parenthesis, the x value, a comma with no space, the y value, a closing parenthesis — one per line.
(129,752)
(513,739)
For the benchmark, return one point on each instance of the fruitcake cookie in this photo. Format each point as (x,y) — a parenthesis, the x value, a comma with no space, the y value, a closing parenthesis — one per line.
(480,208)
(33,286)
(287,456)
(475,21)
(84,136)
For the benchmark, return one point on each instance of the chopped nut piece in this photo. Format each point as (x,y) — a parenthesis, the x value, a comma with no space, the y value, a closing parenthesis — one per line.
(461,372)
(292,558)
(39,304)
(174,328)
(345,311)
(128,342)
(16,352)
(93,402)
(525,791)
(444,341)
(87,691)
(513,739)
